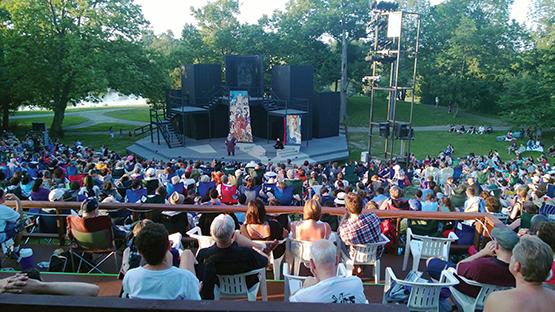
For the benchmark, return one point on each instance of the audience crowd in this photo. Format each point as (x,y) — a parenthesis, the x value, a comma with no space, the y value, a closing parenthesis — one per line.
(519,191)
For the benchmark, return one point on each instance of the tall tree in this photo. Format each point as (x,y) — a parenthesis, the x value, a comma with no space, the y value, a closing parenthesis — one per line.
(73,50)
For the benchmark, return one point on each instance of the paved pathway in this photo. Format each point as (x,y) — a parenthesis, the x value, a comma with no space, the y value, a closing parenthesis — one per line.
(97,116)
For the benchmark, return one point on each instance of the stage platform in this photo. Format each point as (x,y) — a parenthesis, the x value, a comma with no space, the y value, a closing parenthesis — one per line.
(318,150)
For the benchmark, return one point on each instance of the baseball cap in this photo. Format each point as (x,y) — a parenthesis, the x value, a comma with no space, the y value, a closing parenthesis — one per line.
(505,237)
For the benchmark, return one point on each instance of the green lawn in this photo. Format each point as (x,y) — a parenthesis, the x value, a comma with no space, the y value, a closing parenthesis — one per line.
(23,124)
(432,143)
(68,110)
(118,144)
(137,114)
(105,126)
(358,110)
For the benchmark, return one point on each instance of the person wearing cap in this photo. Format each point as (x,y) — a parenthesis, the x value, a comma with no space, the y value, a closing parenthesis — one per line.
(489,265)
(530,265)
(151,181)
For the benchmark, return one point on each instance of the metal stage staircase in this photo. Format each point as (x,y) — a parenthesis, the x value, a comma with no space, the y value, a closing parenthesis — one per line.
(164,126)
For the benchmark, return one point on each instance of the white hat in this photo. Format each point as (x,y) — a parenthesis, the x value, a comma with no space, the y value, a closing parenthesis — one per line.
(56,194)
(340,199)
(251,164)
(150,174)
(270,174)
(175,179)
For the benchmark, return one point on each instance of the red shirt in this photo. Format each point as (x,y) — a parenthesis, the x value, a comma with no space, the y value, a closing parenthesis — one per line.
(229,193)
(487,270)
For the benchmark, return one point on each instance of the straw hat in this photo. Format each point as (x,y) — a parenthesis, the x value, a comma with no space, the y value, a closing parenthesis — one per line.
(176,198)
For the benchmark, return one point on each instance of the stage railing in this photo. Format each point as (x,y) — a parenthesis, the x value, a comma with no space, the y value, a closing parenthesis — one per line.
(485,221)
(23,303)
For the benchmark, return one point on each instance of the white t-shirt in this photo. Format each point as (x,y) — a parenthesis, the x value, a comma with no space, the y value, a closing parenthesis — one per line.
(472,204)
(7,214)
(339,289)
(169,284)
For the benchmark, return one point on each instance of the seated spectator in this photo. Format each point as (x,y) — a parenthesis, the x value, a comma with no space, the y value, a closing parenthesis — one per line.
(416,203)
(228,192)
(284,194)
(232,253)
(326,286)
(136,192)
(175,185)
(311,228)
(472,203)
(430,204)
(158,278)
(446,205)
(205,185)
(379,197)
(258,226)
(489,265)
(395,202)
(9,218)
(357,227)
(21,283)
(530,265)
(546,232)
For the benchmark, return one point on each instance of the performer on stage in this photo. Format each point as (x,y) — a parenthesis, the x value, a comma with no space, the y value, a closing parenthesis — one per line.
(279,144)
(230,144)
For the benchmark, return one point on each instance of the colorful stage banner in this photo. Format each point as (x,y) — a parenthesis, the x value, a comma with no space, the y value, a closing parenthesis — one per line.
(293,130)
(240,116)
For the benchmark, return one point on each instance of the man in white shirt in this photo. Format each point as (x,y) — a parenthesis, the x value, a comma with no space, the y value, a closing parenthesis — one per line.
(329,287)
(158,279)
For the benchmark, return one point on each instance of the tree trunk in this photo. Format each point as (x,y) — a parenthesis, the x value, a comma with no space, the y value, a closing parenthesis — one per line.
(56,129)
(5,116)
(343,107)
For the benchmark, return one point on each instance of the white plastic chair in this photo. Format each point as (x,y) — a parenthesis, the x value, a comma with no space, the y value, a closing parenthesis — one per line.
(424,247)
(468,303)
(292,283)
(236,286)
(299,253)
(363,254)
(203,241)
(423,296)
(276,262)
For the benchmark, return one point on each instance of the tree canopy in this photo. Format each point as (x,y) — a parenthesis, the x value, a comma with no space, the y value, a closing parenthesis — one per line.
(54,53)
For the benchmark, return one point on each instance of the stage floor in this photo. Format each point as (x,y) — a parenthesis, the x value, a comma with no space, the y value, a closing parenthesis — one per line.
(318,150)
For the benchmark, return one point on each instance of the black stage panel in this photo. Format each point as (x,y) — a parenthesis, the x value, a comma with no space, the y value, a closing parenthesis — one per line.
(245,73)
(293,81)
(200,83)
(325,110)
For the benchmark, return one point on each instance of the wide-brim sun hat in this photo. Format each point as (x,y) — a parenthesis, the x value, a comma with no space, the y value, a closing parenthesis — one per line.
(340,199)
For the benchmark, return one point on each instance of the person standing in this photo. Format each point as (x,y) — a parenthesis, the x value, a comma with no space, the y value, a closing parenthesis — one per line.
(230,143)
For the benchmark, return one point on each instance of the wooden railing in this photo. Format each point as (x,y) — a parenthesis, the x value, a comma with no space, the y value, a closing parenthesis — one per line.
(486,221)
(23,303)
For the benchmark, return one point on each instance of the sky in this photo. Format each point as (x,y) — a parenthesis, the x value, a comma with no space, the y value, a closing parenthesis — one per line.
(172,15)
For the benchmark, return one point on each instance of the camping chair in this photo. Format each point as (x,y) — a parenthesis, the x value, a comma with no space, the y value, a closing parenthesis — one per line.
(424,296)
(425,247)
(203,240)
(292,283)
(364,254)
(468,303)
(276,262)
(236,286)
(91,236)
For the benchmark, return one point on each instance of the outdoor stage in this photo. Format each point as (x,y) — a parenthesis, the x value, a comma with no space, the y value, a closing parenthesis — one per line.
(318,150)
